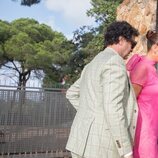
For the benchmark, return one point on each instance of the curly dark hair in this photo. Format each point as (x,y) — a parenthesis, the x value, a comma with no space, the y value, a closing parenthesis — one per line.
(117,29)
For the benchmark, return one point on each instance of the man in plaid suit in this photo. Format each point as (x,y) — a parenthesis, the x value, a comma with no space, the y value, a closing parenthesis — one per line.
(105,121)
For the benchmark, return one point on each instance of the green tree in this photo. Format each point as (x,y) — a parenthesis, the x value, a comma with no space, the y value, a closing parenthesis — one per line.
(28,2)
(90,40)
(82,37)
(104,12)
(63,51)
(4,35)
(27,46)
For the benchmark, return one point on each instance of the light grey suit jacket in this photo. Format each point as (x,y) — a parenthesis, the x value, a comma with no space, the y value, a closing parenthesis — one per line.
(105,121)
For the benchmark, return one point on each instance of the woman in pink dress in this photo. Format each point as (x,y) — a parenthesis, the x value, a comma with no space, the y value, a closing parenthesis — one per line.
(144,78)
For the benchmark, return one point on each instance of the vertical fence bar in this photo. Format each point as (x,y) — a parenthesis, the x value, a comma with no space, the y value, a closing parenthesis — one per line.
(34,123)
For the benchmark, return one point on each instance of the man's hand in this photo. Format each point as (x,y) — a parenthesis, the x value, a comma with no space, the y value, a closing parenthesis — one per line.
(130,156)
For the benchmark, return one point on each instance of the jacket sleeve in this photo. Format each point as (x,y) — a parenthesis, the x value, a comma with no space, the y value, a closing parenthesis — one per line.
(73,94)
(114,83)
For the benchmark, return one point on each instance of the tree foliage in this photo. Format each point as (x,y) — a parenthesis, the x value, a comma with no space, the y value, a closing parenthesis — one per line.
(104,11)
(90,40)
(87,42)
(29,2)
(27,46)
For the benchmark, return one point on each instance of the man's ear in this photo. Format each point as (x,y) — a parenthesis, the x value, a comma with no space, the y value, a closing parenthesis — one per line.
(121,40)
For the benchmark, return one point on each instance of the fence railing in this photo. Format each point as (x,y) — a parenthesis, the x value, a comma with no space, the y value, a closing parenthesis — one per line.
(34,121)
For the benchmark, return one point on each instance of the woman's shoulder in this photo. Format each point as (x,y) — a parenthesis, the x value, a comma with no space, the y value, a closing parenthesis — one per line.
(141,66)
(136,62)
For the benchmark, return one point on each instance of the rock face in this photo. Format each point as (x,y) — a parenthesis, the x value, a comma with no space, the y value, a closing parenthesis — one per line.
(142,15)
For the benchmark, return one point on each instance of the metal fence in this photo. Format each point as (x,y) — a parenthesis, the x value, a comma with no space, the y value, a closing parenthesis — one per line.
(34,122)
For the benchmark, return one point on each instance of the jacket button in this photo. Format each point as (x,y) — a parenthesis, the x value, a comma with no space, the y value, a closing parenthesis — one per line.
(118,144)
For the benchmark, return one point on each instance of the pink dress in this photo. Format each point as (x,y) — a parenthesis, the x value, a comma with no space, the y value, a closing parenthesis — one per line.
(143,72)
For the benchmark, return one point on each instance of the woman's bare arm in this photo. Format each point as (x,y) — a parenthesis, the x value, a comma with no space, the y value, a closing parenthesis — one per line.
(137,89)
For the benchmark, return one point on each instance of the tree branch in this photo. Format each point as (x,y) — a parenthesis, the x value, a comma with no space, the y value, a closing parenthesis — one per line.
(29,2)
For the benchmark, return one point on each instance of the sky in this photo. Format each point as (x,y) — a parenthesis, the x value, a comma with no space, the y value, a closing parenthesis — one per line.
(62,15)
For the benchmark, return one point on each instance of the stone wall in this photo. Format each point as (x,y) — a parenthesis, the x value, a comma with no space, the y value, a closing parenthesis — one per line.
(142,15)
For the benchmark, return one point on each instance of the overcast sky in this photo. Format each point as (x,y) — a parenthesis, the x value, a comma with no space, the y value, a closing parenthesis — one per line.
(62,15)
